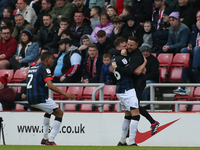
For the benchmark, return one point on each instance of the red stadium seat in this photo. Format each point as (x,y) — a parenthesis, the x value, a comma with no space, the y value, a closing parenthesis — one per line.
(57,96)
(165,60)
(19,75)
(87,93)
(109,92)
(88,107)
(78,91)
(196,97)
(10,73)
(71,107)
(180,60)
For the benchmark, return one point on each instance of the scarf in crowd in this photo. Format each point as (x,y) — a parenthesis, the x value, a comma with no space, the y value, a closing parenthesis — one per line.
(94,69)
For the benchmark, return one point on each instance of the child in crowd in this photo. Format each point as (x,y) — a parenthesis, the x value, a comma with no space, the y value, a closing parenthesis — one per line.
(95,16)
(148,33)
(104,77)
(7,14)
(111,11)
(85,41)
(64,24)
(117,31)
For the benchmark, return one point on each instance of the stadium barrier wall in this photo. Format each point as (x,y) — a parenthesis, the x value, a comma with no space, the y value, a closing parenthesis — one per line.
(102,129)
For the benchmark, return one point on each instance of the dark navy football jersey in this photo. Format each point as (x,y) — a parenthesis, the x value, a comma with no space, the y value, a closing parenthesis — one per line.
(37,77)
(124,80)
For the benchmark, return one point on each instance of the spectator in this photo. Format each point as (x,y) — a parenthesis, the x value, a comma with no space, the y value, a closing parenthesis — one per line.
(20,25)
(7,14)
(62,8)
(126,11)
(160,36)
(152,69)
(79,27)
(68,67)
(107,2)
(187,13)
(117,31)
(6,22)
(46,8)
(148,33)
(27,51)
(85,41)
(7,94)
(92,3)
(118,4)
(8,47)
(3,5)
(105,25)
(48,34)
(104,43)
(111,11)
(95,16)
(178,35)
(193,45)
(79,6)
(64,24)
(132,28)
(143,10)
(105,77)
(27,12)
(160,6)
(92,66)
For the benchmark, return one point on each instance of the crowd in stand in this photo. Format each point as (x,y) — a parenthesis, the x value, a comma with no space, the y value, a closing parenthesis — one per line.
(83,34)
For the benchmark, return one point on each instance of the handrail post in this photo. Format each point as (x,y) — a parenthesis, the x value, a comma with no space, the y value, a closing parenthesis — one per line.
(152,97)
(50,93)
(176,107)
(101,98)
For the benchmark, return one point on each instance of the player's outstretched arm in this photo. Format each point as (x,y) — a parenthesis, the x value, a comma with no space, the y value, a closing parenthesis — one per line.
(57,90)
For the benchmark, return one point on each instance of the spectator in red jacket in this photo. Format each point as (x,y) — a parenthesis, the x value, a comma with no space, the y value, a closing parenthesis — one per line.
(7,94)
(8,46)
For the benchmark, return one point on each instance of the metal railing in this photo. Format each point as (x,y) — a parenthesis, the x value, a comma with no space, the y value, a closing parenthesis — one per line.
(153,85)
(101,101)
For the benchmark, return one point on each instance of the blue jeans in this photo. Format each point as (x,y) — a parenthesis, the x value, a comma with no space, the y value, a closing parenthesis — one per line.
(195,53)
(146,91)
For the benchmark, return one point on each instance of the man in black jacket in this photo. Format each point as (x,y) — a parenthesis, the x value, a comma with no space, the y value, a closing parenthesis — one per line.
(152,69)
(80,27)
(48,34)
(68,66)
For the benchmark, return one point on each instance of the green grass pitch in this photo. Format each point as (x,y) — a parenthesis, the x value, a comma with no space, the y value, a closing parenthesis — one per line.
(25,147)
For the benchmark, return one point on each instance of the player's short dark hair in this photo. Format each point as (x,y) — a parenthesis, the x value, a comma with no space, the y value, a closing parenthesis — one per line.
(101,33)
(10,10)
(119,40)
(107,55)
(133,38)
(45,55)
(64,20)
(98,9)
